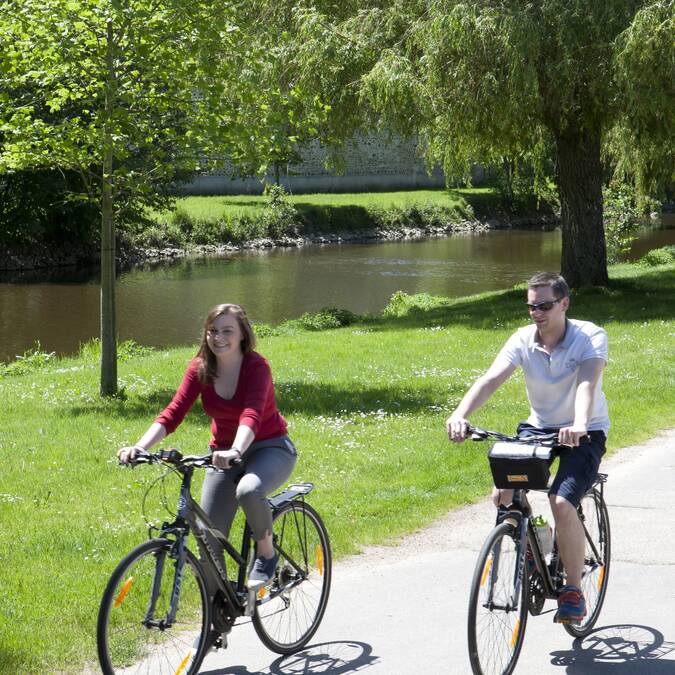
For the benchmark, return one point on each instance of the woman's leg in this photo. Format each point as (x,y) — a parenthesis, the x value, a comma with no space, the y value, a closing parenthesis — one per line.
(267,469)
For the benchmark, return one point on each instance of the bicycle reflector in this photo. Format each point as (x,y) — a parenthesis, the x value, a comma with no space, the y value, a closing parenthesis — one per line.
(124,591)
(319,559)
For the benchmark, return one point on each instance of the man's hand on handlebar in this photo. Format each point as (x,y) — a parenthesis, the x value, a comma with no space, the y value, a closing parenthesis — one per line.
(571,436)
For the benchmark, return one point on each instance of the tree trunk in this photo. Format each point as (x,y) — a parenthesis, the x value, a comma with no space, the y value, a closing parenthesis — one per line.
(108,317)
(584,255)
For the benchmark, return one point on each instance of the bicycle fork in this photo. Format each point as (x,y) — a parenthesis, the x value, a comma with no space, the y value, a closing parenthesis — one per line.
(512,603)
(164,623)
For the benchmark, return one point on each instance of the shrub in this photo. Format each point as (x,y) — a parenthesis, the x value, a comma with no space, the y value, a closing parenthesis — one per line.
(659,256)
(621,222)
(29,361)
(90,351)
(401,304)
(279,216)
(327,318)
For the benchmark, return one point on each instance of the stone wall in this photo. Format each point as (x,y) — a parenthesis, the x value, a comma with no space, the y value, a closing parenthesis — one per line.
(372,162)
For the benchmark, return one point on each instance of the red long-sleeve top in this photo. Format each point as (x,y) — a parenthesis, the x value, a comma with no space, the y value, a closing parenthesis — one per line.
(253,403)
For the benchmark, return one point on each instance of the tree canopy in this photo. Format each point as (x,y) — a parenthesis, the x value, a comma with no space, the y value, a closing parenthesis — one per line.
(480,80)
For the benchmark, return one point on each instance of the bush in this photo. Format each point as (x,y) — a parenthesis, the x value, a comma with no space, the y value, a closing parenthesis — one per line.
(279,216)
(659,256)
(621,220)
(90,351)
(401,304)
(327,318)
(31,360)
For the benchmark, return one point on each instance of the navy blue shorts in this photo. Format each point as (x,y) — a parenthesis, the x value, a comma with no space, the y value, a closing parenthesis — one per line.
(578,466)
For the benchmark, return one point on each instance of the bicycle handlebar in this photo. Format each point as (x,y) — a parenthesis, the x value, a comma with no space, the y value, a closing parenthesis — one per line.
(478,434)
(176,458)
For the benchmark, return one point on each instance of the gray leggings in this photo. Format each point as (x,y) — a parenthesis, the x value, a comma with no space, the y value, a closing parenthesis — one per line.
(267,464)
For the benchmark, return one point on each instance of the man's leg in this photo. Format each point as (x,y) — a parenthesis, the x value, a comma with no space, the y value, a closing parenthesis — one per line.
(570,538)
(577,470)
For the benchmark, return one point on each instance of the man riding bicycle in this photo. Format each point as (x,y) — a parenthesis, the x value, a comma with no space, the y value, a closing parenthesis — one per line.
(562,360)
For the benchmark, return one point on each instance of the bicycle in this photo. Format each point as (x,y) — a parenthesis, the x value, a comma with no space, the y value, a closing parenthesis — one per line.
(503,589)
(164,607)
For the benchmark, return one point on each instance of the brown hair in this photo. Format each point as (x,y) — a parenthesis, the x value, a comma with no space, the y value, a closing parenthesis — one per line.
(209,367)
(553,280)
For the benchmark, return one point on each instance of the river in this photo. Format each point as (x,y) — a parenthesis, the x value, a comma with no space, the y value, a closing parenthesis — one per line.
(165,305)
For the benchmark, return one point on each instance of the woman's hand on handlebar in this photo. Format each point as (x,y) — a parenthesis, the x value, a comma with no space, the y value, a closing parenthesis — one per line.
(222,459)
(127,455)
(458,428)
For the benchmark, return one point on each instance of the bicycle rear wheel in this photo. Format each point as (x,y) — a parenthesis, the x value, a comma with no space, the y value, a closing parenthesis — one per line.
(289,610)
(132,633)
(497,618)
(595,519)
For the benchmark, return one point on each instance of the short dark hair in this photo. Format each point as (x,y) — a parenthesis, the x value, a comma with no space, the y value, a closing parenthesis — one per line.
(553,280)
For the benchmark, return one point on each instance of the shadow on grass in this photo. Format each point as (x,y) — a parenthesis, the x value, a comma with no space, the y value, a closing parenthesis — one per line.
(644,298)
(327,399)
(293,397)
(333,218)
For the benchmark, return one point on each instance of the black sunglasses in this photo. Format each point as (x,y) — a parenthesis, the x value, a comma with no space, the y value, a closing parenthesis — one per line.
(542,306)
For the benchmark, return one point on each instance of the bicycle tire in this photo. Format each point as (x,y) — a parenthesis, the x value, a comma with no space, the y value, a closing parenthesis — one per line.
(595,576)
(496,633)
(289,610)
(125,643)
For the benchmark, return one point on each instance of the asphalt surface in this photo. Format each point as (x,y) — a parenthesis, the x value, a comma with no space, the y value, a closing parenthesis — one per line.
(401,610)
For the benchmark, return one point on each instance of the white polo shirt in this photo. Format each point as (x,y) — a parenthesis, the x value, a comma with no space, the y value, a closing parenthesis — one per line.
(551,379)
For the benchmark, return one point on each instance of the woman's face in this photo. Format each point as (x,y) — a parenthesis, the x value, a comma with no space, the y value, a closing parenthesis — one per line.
(224,335)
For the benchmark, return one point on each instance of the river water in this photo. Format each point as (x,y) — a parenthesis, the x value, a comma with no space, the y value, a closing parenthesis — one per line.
(165,305)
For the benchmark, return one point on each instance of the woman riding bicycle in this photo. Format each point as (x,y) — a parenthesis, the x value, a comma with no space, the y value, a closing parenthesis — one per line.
(562,360)
(235,384)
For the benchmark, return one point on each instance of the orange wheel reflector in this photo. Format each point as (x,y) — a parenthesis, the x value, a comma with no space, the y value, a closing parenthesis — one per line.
(262,592)
(601,577)
(514,637)
(183,663)
(124,592)
(319,559)
(486,571)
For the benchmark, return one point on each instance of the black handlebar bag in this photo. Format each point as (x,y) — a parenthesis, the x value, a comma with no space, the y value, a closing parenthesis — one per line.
(520,465)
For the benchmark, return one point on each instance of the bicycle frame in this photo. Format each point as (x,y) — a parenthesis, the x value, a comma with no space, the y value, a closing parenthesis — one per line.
(191,517)
(519,515)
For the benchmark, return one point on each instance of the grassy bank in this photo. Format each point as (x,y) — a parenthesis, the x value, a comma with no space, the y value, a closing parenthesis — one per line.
(366,405)
(242,218)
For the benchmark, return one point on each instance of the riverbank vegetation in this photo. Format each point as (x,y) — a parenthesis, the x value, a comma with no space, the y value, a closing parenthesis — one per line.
(276,215)
(366,404)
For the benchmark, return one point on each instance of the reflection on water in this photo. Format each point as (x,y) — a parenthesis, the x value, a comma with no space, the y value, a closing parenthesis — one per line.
(165,305)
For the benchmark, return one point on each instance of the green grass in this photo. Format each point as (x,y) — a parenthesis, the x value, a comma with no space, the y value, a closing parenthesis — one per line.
(366,406)
(228,207)
(240,219)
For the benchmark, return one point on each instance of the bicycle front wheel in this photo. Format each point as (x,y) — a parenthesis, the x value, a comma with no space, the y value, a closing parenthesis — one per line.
(595,520)
(289,610)
(497,612)
(135,633)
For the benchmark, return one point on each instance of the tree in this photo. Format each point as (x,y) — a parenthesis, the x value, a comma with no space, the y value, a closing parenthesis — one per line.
(127,93)
(483,80)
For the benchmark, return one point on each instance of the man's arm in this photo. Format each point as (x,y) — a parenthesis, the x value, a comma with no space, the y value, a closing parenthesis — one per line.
(587,381)
(481,390)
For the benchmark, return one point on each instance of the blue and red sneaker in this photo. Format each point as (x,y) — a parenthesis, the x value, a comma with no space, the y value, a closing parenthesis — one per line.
(571,605)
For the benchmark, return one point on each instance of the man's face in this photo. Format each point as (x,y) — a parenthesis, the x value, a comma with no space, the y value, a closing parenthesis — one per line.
(545,309)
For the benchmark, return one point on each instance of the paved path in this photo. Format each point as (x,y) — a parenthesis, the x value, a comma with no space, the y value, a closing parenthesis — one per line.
(401,610)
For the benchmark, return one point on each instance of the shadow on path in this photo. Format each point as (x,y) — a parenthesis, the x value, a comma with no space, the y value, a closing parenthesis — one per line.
(337,658)
(622,648)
